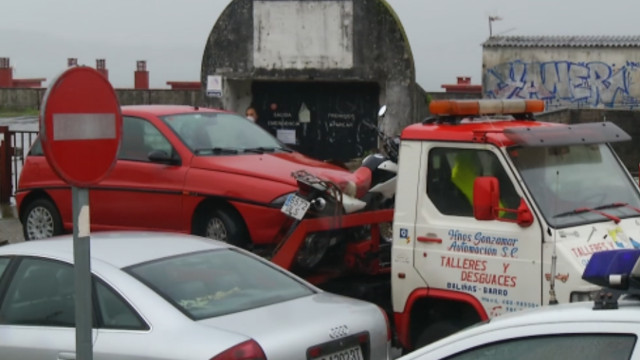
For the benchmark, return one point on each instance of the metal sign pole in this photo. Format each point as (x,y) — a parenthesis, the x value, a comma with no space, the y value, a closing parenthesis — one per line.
(80,131)
(82,269)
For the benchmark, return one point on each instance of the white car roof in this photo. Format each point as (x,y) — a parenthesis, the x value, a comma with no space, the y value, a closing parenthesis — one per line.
(578,313)
(119,248)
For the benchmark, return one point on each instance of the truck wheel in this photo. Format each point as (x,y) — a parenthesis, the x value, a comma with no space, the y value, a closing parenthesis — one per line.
(41,220)
(224,225)
(434,332)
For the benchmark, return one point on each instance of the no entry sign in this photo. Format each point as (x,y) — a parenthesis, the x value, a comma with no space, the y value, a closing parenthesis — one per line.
(81,126)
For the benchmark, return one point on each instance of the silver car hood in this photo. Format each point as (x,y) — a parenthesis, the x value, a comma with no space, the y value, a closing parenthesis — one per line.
(286,330)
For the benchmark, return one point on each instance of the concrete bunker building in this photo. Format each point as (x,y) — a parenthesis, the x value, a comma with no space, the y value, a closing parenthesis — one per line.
(315,70)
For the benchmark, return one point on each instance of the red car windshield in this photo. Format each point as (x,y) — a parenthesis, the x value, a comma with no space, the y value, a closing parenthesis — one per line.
(209,133)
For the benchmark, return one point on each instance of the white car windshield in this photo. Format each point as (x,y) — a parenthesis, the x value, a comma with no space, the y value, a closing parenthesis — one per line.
(567,182)
(209,133)
(213,283)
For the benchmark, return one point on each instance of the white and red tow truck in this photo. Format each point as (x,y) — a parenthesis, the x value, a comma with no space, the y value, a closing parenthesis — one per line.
(495,212)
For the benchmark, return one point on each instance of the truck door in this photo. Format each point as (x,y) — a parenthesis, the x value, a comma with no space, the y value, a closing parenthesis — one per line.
(497,262)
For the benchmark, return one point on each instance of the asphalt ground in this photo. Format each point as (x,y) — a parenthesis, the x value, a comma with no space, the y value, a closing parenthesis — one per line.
(10,227)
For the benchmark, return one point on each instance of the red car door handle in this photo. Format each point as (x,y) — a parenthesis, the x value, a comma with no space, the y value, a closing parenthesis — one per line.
(428,239)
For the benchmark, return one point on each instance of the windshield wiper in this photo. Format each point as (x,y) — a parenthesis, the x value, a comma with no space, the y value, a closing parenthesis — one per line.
(615,205)
(258,150)
(584,210)
(216,150)
(263,149)
(610,206)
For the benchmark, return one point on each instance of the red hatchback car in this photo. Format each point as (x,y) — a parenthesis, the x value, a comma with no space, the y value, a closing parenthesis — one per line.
(179,168)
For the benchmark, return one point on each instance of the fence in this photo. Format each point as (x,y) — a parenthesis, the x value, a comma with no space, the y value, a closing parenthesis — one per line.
(14,145)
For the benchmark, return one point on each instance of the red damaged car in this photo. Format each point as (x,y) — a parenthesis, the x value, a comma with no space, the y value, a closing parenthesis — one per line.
(179,168)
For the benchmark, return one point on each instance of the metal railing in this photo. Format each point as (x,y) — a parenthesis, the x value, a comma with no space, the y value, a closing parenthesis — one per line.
(12,158)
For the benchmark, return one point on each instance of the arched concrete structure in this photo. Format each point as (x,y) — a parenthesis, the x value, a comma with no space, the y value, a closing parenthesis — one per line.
(315,69)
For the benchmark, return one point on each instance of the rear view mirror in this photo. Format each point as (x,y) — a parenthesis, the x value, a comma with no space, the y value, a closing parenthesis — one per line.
(486,203)
(525,217)
(161,156)
(486,198)
(382,111)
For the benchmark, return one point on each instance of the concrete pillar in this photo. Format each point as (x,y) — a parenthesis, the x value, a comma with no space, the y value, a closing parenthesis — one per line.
(141,76)
(6,73)
(101,66)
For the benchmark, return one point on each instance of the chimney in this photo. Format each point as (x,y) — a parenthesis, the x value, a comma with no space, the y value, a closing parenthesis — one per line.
(464,80)
(6,73)
(101,66)
(141,76)
(72,62)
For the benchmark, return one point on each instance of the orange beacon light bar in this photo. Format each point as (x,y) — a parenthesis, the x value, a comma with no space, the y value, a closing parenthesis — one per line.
(485,107)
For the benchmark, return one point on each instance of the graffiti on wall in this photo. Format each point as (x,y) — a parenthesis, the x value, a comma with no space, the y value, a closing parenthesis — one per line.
(565,83)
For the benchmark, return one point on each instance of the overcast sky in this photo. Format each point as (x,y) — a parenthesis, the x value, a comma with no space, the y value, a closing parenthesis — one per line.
(445,35)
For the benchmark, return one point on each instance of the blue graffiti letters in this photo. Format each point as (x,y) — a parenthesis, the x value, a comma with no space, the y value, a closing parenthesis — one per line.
(562,83)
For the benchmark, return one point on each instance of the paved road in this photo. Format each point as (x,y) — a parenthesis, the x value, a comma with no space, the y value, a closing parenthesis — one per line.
(10,227)
(10,230)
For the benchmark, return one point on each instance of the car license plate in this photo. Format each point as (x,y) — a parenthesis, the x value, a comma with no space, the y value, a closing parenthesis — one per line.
(295,206)
(352,353)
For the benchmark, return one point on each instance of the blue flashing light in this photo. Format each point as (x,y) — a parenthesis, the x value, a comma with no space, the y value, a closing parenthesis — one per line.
(604,264)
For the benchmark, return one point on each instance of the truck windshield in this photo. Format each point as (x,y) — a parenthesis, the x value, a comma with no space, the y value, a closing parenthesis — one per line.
(566,180)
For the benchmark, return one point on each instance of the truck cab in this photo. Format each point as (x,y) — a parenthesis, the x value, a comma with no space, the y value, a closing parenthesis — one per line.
(496,212)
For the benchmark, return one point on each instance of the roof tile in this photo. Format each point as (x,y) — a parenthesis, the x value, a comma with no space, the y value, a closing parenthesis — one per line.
(563,41)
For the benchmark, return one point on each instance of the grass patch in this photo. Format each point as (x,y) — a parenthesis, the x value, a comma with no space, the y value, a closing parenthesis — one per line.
(18,112)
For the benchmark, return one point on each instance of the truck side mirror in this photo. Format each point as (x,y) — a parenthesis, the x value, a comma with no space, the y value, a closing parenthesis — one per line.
(486,198)
(525,217)
(486,203)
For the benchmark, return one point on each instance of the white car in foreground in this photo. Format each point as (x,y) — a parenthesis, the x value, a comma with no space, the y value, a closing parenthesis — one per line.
(607,328)
(174,296)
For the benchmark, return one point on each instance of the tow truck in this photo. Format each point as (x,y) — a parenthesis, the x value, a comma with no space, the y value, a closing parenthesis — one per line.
(495,212)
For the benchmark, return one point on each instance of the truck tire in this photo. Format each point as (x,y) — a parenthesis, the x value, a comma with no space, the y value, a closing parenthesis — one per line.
(41,220)
(434,332)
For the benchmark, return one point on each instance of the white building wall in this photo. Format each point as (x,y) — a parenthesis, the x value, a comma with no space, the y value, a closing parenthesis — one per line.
(564,77)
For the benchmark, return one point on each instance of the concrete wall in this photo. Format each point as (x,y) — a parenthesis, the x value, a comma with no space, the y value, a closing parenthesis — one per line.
(12,98)
(177,97)
(564,77)
(32,98)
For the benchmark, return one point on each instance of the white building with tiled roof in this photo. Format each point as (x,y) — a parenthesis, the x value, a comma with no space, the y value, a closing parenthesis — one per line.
(565,71)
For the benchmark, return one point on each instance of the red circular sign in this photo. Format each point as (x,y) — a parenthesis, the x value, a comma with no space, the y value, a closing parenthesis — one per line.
(81,126)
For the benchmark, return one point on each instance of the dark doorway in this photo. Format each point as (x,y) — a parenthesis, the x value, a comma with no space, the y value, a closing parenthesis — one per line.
(322,120)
